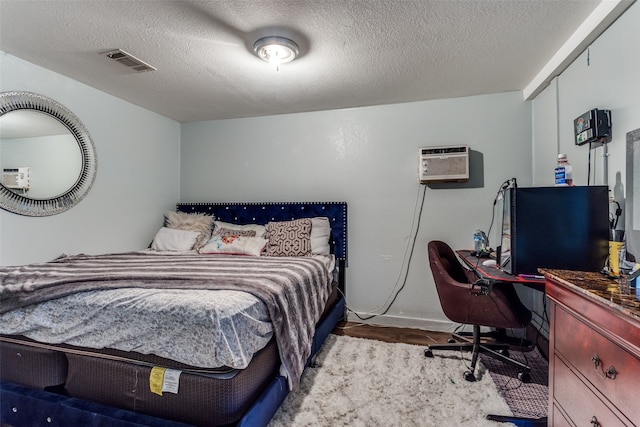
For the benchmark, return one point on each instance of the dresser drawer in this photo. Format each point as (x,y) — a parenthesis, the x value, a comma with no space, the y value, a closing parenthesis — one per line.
(580,404)
(558,419)
(579,345)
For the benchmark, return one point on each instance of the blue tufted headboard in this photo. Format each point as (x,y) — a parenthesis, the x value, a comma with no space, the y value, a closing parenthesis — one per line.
(262,213)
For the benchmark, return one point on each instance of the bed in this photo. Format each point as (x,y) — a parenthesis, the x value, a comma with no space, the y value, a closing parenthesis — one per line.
(191,360)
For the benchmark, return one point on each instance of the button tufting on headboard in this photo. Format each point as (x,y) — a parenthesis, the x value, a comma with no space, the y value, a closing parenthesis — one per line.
(263,212)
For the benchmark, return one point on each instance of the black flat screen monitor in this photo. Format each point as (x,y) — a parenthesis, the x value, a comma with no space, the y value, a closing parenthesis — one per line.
(554,227)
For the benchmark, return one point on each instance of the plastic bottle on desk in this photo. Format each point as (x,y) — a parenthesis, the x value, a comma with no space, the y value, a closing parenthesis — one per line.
(564,172)
(478,242)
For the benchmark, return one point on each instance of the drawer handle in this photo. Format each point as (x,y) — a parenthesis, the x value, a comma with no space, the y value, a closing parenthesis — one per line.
(610,372)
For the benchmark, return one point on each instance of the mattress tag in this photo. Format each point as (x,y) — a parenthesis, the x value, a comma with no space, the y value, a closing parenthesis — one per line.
(171,381)
(163,379)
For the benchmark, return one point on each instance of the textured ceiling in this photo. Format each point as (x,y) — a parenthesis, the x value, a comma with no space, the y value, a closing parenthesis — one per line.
(353,53)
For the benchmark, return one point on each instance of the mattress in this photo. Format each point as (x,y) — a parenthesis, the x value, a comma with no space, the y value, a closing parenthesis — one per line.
(207,328)
(122,379)
(199,399)
(169,305)
(32,367)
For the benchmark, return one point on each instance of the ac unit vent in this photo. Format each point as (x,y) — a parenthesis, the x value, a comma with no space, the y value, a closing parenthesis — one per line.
(129,60)
(17,178)
(443,164)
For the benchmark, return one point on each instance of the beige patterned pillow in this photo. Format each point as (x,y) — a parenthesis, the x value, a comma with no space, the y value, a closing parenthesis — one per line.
(229,232)
(260,230)
(289,238)
(199,222)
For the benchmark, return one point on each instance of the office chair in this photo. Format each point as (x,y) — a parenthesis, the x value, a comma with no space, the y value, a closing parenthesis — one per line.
(464,301)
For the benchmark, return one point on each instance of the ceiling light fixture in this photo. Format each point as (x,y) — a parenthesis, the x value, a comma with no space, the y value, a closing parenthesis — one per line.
(276,50)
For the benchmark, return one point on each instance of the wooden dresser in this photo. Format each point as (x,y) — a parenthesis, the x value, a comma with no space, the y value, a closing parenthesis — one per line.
(594,345)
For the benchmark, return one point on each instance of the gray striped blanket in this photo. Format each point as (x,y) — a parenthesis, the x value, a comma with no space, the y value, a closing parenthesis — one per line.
(294,290)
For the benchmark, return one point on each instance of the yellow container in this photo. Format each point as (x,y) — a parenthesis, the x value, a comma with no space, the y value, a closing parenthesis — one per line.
(615,248)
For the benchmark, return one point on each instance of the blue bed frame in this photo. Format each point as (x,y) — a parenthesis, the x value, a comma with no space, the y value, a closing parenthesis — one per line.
(21,406)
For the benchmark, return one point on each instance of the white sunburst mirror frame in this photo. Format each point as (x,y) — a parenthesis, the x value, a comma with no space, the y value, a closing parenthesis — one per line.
(23,205)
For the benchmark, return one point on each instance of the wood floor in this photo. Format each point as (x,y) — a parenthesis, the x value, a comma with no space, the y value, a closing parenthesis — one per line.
(419,336)
(390,333)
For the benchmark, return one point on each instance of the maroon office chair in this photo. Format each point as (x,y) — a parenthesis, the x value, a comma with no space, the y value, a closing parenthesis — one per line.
(465,301)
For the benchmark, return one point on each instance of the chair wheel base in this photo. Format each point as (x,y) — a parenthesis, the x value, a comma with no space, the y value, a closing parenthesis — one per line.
(428,353)
(451,341)
(525,377)
(468,376)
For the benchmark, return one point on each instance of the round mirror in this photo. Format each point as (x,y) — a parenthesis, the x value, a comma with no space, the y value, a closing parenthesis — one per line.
(47,157)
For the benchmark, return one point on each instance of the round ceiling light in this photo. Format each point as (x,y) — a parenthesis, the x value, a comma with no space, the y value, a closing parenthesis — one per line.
(276,50)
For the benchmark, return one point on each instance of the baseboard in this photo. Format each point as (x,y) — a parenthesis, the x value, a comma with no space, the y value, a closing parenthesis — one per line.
(403,322)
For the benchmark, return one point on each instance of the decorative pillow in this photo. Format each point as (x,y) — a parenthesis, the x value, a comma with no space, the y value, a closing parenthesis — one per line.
(171,239)
(260,230)
(201,223)
(289,238)
(320,234)
(238,245)
(229,232)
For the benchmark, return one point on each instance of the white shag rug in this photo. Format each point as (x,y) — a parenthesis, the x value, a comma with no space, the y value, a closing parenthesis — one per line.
(361,382)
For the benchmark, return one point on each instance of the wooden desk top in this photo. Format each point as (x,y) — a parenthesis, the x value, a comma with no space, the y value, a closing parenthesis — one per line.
(599,287)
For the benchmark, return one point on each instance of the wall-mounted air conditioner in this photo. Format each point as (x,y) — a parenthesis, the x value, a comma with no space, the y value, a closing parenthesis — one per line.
(443,163)
(16,178)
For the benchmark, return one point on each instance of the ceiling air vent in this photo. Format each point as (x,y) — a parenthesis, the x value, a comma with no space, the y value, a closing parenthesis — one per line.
(129,60)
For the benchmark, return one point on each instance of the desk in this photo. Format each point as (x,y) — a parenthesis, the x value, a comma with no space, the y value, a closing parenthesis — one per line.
(496,274)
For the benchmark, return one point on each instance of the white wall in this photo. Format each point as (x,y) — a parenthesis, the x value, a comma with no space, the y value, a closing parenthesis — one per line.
(368,157)
(607,76)
(138,174)
(545,135)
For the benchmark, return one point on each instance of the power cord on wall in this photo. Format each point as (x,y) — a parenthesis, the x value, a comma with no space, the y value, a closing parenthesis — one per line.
(499,195)
(393,295)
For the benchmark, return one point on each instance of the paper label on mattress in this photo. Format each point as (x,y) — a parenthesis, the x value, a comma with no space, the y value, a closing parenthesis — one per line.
(171,381)
(156,379)
(163,379)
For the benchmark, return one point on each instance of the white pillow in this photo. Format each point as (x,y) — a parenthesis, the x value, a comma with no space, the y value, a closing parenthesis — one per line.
(236,245)
(172,239)
(260,230)
(199,222)
(320,233)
